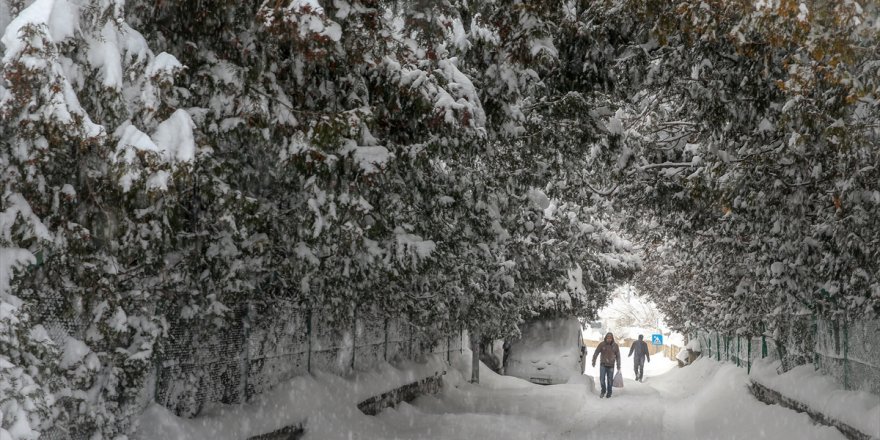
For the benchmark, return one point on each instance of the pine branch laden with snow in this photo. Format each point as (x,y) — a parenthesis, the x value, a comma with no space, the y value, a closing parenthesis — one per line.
(61,207)
(26,400)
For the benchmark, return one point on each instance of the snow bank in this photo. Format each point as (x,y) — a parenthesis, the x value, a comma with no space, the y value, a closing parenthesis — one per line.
(326,403)
(710,400)
(858,409)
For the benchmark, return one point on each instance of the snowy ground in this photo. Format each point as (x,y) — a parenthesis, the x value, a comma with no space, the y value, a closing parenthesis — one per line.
(858,409)
(706,400)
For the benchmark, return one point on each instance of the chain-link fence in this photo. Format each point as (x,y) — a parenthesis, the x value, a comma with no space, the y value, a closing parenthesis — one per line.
(850,352)
(260,346)
(62,325)
(847,351)
(263,348)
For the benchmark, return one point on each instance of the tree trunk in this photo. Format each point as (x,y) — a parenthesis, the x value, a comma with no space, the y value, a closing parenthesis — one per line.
(475,356)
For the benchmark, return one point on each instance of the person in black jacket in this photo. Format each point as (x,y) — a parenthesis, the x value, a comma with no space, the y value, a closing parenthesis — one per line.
(640,348)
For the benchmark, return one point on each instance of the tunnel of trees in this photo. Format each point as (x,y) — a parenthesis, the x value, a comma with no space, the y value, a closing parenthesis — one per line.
(467,163)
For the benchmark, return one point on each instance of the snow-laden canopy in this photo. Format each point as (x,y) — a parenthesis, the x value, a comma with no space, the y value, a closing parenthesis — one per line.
(462,163)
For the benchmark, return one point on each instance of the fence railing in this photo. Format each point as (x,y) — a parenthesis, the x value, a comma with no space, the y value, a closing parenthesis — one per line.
(196,365)
(847,351)
(200,362)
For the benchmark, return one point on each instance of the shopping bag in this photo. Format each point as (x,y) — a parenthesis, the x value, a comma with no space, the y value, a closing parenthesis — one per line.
(618,380)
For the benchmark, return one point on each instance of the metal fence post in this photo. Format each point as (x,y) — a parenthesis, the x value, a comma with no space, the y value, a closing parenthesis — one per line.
(309,335)
(814,327)
(385,356)
(749,356)
(727,346)
(244,363)
(157,370)
(738,350)
(763,342)
(718,343)
(354,330)
(448,347)
(412,345)
(845,355)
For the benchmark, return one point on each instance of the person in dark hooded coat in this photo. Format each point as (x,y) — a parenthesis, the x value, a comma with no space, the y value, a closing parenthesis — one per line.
(640,349)
(609,354)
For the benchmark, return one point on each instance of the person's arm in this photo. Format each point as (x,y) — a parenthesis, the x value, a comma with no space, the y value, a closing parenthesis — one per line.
(617,351)
(631,347)
(596,353)
(647,352)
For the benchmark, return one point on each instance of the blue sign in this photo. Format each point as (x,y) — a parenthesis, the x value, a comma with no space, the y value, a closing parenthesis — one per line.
(657,339)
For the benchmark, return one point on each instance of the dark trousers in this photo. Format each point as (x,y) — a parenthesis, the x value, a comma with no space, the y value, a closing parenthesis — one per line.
(606,378)
(639,367)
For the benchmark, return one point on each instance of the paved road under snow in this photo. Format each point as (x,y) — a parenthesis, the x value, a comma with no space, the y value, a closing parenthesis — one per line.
(707,400)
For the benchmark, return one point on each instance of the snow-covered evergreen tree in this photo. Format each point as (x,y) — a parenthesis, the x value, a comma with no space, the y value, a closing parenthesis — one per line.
(460,164)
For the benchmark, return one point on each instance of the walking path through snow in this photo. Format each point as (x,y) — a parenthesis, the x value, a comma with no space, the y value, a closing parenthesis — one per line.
(707,400)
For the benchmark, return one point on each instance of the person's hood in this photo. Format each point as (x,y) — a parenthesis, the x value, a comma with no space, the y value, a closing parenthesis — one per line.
(607,335)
